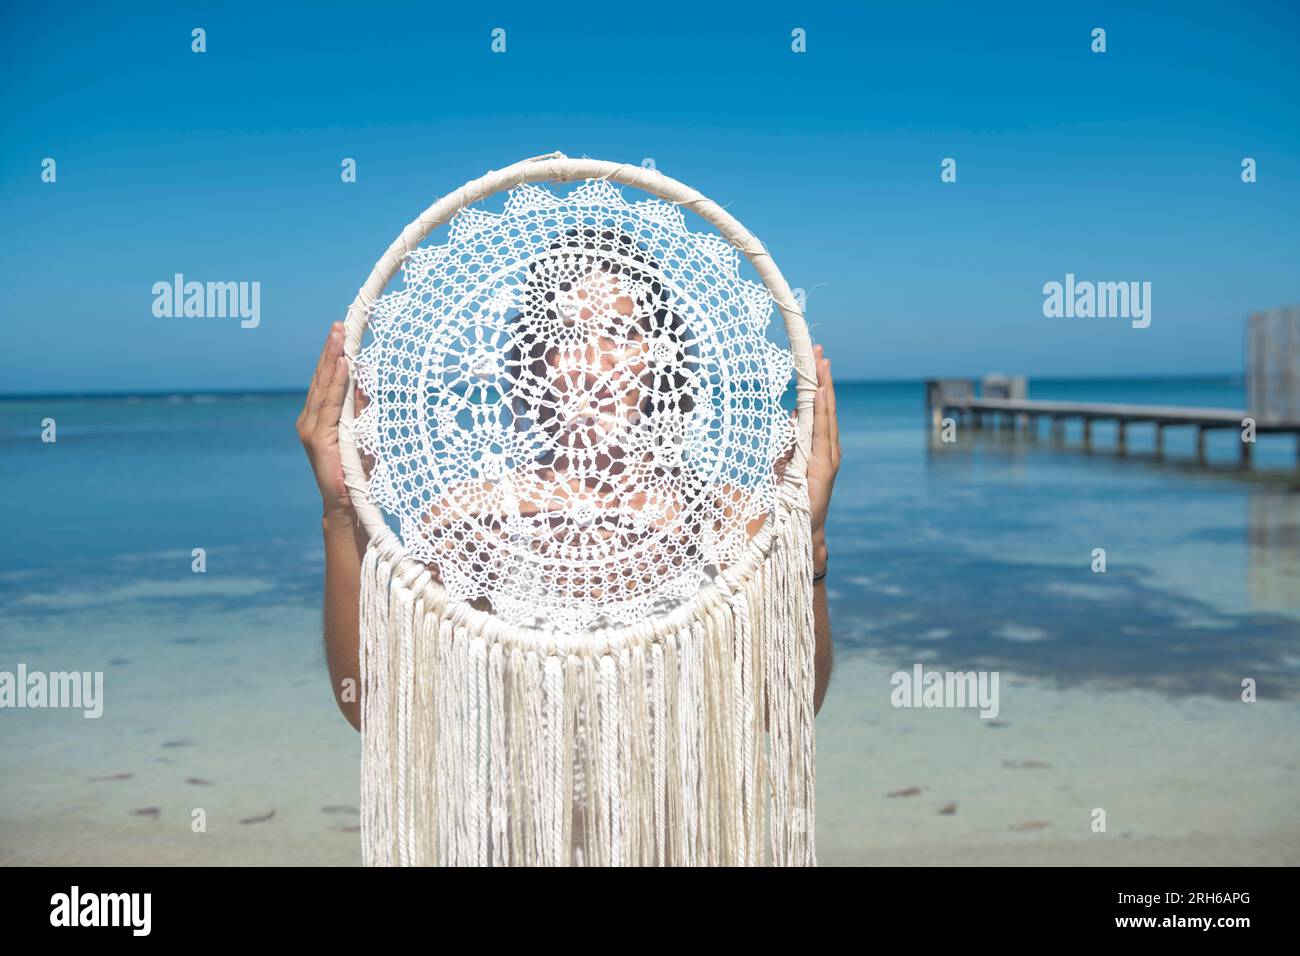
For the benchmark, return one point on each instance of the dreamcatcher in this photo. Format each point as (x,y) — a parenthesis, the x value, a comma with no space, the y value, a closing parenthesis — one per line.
(586,612)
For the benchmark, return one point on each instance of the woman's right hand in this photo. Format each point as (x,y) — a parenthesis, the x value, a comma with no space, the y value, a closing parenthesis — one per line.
(318,425)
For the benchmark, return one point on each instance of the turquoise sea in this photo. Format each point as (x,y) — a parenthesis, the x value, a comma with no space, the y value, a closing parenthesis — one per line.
(976,554)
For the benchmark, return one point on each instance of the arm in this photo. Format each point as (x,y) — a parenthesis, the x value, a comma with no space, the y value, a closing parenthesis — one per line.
(824,661)
(822,466)
(345,541)
(823,463)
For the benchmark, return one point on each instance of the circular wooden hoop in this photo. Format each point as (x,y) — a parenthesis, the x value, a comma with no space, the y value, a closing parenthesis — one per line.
(557,167)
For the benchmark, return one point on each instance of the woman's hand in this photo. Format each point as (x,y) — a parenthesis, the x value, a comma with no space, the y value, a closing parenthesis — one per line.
(825,460)
(318,425)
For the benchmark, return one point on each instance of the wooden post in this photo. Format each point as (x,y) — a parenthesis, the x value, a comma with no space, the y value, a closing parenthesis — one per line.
(1160,440)
(1246,448)
(1200,444)
(1121,436)
(1087,432)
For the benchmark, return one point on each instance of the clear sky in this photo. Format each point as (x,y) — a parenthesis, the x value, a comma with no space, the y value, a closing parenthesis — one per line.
(225,166)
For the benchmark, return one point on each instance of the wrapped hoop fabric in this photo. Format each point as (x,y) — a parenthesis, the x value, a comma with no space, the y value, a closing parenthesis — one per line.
(586,609)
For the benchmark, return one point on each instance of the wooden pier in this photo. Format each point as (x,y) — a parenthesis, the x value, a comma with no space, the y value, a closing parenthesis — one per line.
(955,398)
(1272,390)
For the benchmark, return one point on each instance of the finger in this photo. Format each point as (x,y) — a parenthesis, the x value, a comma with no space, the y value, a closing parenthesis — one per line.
(324,384)
(325,379)
(324,353)
(831,416)
(821,428)
(310,402)
(331,407)
(324,374)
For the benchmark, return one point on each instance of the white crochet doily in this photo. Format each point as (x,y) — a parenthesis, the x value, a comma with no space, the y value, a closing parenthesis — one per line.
(575,409)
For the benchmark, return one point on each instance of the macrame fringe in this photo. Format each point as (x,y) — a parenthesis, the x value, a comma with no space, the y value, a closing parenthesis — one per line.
(687,742)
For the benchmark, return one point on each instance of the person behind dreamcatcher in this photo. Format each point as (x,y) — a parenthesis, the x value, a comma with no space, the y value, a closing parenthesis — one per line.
(578,364)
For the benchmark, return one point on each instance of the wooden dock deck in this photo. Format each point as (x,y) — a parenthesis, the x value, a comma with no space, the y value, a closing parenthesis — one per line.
(960,403)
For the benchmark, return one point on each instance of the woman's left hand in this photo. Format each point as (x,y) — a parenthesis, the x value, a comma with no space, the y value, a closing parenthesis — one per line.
(825,459)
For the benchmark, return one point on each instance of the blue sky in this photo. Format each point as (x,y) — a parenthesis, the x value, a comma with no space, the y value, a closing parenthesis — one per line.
(224,166)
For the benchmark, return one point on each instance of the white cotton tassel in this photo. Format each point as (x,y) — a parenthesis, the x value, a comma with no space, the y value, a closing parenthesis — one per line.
(555,769)
(799,584)
(403,656)
(690,696)
(583,841)
(483,749)
(609,795)
(533,796)
(479,751)
(789,683)
(742,711)
(376,769)
(498,767)
(424,735)
(639,757)
(659,763)
(461,764)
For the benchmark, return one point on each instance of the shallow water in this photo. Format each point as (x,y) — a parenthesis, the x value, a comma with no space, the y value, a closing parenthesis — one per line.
(970,555)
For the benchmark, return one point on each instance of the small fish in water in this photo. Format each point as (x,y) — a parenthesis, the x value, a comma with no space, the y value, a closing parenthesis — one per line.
(112,776)
(338,808)
(198,781)
(1029,825)
(996,723)
(1025,764)
(261,819)
(179,742)
(948,809)
(909,792)
(351,829)
(119,662)
(151,812)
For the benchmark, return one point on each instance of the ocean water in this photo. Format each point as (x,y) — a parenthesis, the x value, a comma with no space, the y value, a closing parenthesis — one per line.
(976,554)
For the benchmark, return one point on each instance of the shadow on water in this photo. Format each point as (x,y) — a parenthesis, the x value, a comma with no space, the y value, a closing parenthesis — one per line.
(1117,630)
(947,604)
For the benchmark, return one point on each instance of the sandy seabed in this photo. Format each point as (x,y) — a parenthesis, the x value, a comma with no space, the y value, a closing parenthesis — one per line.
(1183,781)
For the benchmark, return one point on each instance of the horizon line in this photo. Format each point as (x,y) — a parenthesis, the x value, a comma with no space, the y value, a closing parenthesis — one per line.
(285,391)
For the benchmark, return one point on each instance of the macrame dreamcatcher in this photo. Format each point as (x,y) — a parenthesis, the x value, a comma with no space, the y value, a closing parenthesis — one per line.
(586,603)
